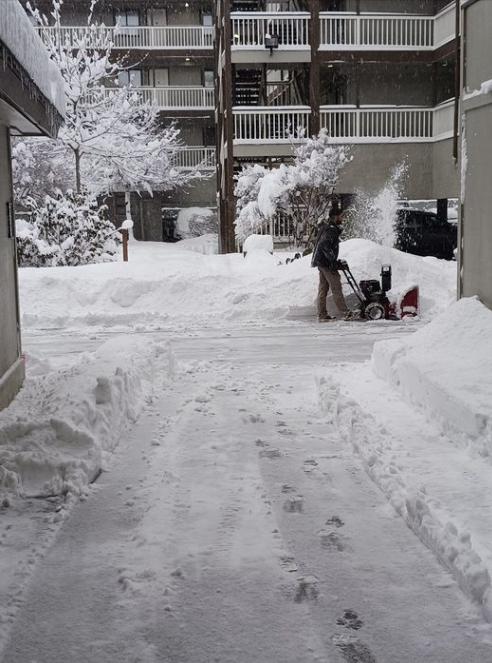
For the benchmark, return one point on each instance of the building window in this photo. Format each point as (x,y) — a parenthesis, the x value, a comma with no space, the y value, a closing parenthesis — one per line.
(127,17)
(207,18)
(130,76)
(208,78)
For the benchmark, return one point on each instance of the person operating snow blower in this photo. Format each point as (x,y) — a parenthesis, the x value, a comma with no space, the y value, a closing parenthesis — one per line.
(325,258)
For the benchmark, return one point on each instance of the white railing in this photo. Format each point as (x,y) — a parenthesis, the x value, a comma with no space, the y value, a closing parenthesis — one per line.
(445,25)
(249,29)
(348,124)
(189,158)
(141,38)
(269,125)
(444,119)
(382,31)
(178,97)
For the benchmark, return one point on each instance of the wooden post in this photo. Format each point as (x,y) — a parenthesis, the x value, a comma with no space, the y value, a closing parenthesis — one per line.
(124,233)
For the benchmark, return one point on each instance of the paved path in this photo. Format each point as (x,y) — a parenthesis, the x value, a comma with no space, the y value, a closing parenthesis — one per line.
(235,527)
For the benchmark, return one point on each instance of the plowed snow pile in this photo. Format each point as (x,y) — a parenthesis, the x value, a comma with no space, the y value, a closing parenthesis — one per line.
(164,283)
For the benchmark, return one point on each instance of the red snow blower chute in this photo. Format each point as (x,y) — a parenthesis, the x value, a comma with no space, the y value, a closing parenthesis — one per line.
(374,303)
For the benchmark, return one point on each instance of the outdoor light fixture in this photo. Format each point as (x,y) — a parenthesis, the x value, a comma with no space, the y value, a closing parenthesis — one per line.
(271,42)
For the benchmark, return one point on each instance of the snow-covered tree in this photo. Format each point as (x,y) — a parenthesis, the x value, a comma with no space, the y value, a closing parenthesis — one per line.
(69,229)
(301,191)
(112,140)
(39,168)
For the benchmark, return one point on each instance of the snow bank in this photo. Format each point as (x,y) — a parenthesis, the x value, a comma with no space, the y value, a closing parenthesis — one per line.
(258,242)
(20,37)
(57,434)
(207,244)
(446,368)
(431,520)
(142,293)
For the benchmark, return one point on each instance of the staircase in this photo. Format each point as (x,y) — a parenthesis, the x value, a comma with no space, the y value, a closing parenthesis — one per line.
(246,87)
(246,5)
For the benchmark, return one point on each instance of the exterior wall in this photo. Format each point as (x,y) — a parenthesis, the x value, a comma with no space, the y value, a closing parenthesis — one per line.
(476,219)
(445,171)
(399,84)
(201,194)
(11,364)
(185,76)
(372,165)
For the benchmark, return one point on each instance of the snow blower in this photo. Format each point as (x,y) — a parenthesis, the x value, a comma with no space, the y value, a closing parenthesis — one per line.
(373,299)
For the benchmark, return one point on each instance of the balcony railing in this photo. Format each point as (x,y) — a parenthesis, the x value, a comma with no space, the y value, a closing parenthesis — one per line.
(189,158)
(338,30)
(382,31)
(145,38)
(269,125)
(345,124)
(387,124)
(249,29)
(182,98)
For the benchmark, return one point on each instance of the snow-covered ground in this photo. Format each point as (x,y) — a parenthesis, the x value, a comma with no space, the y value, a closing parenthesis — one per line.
(233,520)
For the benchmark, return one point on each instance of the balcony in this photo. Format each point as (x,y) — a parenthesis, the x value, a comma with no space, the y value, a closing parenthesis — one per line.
(143,38)
(189,158)
(250,29)
(345,124)
(383,124)
(269,125)
(376,31)
(178,98)
(346,31)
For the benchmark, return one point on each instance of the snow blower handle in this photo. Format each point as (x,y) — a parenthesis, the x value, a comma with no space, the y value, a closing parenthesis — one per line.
(343,265)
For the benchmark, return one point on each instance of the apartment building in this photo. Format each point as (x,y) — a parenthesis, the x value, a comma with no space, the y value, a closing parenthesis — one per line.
(168,46)
(380,75)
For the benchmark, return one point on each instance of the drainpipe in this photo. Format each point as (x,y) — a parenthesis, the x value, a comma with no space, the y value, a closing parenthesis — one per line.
(314,88)
(457,80)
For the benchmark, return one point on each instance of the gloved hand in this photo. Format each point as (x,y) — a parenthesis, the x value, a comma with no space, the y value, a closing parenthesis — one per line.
(342,264)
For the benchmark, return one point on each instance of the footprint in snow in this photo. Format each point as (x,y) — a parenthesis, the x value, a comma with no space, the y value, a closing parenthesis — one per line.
(330,540)
(307,589)
(294,504)
(309,465)
(270,453)
(335,521)
(350,620)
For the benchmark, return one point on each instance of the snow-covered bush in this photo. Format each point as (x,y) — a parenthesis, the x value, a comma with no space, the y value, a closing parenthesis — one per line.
(196,221)
(301,192)
(70,229)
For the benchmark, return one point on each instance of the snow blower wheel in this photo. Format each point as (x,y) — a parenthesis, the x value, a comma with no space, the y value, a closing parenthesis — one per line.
(374,311)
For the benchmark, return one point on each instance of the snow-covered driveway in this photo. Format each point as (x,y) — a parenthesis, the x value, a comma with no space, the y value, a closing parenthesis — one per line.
(236,527)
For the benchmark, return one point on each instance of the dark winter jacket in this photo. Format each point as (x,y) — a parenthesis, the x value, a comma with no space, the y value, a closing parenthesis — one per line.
(325,253)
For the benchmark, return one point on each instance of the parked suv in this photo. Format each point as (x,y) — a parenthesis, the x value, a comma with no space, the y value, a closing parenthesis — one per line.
(425,234)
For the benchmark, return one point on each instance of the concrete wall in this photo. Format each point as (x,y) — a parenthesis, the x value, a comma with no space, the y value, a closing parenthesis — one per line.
(372,165)
(475,256)
(445,171)
(11,365)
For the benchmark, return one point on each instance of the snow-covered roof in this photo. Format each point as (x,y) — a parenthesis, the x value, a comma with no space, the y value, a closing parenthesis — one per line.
(22,40)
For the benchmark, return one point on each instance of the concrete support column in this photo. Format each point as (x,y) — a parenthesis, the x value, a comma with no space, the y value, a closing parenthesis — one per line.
(442,209)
